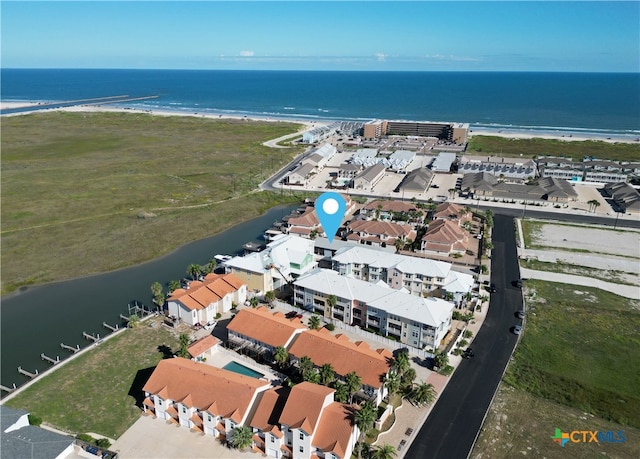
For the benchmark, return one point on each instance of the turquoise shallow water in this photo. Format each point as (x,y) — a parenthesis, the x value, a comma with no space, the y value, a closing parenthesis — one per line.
(241,369)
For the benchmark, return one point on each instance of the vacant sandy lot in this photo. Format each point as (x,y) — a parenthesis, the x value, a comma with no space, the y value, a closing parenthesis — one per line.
(598,240)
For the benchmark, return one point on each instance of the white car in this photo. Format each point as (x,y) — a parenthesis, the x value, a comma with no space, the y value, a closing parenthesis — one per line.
(210,325)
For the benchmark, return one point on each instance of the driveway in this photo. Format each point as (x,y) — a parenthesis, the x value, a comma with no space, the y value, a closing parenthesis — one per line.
(154,438)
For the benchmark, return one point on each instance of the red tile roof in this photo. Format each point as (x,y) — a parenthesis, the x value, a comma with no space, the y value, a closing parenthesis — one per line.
(200,295)
(263,326)
(207,388)
(335,429)
(304,406)
(344,355)
(377,228)
(268,410)
(203,345)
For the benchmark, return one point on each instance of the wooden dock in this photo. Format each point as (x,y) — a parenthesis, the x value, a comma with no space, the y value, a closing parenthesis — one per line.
(49,359)
(70,348)
(8,389)
(26,373)
(86,335)
(106,325)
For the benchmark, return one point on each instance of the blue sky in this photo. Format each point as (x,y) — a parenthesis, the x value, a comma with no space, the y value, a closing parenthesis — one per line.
(432,36)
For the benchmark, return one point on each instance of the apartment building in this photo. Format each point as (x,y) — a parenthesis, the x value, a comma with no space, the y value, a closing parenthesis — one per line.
(345,356)
(203,300)
(418,276)
(260,327)
(303,422)
(413,320)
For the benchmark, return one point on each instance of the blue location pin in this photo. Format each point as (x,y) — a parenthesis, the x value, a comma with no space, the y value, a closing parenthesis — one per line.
(330,209)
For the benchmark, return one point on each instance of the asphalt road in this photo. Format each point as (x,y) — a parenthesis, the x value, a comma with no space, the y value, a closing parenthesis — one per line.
(451,428)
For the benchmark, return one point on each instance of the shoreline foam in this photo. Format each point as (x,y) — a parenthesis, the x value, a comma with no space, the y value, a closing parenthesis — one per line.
(563,134)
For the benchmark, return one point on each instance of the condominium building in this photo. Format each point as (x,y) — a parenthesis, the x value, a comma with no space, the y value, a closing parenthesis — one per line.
(417,276)
(203,300)
(413,320)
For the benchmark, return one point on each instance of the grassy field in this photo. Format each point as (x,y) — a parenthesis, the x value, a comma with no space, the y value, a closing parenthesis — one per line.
(580,348)
(611,275)
(521,425)
(500,146)
(84,193)
(91,393)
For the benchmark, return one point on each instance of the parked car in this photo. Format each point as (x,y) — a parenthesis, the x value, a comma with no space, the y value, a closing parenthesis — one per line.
(492,288)
(211,325)
(520,314)
(290,314)
(517,329)
(468,353)
(517,283)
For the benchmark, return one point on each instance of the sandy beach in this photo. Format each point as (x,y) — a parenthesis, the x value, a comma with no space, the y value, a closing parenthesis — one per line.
(567,136)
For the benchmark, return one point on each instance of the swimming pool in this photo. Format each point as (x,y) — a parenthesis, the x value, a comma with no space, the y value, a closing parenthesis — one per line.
(241,369)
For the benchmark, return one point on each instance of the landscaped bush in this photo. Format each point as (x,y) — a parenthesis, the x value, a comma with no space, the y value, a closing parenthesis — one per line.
(330,327)
(34,420)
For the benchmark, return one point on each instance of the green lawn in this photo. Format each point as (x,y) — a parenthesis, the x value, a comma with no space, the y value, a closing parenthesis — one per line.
(90,393)
(580,348)
(500,146)
(76,186)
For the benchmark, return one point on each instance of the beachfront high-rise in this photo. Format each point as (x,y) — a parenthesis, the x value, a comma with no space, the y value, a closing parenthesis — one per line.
(450,132)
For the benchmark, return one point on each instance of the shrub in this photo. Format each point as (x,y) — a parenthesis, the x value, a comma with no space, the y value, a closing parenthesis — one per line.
(463,343)
(467,334)
(103,443)
(34,420)
(330,327)
(218,315)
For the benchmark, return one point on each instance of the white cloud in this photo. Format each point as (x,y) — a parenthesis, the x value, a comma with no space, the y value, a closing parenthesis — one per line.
(246,53)
(381,57)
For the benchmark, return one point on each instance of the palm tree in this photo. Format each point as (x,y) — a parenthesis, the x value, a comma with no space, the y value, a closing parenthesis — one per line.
(241,437)
(407,378)
(423,394)
(596,204)
(281,356)
(305,366)
(183,339)
(392,382)
(270,296)
(327,374)
(452,192)
(312,377)
(441,359)
(254,301)
(173,285)
(401,361)
(211,266)
(194,270)
(354,383)
(342,392)
(332,300)
(385,451)
(134,321)
(156,289)
(364,418)
(314,322)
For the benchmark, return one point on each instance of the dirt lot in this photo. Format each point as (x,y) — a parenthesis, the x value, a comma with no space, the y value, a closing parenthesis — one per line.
(625,243)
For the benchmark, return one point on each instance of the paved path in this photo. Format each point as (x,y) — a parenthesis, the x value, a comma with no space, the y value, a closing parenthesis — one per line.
(594,260)
(628,291)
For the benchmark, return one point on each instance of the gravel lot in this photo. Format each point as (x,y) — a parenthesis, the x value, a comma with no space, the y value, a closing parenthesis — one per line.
(625,243)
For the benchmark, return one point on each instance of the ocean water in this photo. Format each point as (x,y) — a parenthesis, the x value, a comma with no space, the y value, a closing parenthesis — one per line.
(600,103)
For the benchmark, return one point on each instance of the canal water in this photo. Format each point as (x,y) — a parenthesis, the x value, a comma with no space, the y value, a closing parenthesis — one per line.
(38,319)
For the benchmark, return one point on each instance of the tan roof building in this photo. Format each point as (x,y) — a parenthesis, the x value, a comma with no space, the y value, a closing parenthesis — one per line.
(180,383)
(444,236)
(202,300)
(379,233)
(260,326)
(202,347)
(335,434)
(304,406)
(453,212)
(344,355)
